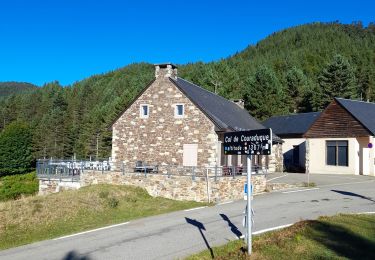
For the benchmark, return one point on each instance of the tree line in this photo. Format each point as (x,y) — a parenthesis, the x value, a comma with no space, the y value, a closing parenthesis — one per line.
(299,69)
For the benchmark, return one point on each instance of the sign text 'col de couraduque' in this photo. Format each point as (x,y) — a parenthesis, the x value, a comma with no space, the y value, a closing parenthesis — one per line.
(251,142)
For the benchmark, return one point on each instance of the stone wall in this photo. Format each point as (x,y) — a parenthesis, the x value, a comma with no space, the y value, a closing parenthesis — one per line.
(159,139)
(179,187)
(47,185)
(276,163)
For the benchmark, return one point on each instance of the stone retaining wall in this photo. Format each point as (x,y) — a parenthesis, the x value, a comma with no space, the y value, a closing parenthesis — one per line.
(179,187)
(53,185)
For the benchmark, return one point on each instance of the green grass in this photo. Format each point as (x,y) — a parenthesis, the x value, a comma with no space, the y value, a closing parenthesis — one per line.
(14,186)
(337,237)
(37,218)
(310,184)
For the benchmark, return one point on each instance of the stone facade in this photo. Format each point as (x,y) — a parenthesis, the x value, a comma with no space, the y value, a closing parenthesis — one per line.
(276,163)
(180,187)
(159,138)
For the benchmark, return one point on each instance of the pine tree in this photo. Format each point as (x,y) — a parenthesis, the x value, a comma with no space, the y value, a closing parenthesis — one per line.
(296,83)
(264,95)
(337,80)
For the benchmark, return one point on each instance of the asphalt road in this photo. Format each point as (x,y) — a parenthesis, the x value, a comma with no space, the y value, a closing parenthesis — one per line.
(182,233)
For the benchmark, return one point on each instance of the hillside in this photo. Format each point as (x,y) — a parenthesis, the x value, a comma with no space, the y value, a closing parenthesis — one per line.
(291,70)
(9,88)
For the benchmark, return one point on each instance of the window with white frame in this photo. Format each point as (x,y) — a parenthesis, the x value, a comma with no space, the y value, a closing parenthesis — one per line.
(179,110)
(144,111)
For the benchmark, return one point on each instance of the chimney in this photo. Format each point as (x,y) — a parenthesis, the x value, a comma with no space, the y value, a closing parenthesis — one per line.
(165,70)
(239,102)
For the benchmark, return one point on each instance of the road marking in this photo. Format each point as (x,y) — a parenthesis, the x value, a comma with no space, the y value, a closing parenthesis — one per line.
(363,213)
(93,230)
(339,184)
(277,177)
(195,208)
(271,229)
(292,191)
(227,202)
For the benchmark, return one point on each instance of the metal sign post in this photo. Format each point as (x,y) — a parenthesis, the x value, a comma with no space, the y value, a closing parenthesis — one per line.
(252,142)
(248,211)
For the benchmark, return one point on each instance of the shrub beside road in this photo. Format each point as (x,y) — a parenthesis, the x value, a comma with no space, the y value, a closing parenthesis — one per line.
(15,186)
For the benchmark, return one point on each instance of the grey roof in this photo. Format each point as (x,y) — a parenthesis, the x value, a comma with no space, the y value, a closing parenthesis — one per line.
(224,113)
(364,112)
(296,124)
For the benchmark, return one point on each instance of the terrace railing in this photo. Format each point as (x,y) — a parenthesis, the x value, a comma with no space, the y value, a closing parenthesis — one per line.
(65,169)
(192,171)
(54,168)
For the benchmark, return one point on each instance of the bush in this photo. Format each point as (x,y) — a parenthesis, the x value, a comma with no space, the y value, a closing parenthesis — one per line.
(12,187)
(113,202)
(15,149)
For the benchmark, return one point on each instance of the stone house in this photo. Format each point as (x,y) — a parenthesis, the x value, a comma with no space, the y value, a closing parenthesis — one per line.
(175,122)
(291,129)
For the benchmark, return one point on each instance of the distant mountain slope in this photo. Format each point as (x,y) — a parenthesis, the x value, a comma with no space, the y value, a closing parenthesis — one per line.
(9,88)
(285,72)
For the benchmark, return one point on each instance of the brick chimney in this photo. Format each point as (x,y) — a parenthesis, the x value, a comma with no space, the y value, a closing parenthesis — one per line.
(165,70)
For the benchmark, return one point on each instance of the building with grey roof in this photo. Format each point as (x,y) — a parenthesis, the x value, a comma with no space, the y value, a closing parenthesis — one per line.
(291,129)
(175,122)
(336,140)
(341,139)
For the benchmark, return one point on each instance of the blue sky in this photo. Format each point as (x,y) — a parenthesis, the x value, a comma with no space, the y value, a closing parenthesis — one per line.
(42,41)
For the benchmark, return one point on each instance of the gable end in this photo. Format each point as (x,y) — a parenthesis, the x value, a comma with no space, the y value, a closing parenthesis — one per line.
(336,121)
(131,103)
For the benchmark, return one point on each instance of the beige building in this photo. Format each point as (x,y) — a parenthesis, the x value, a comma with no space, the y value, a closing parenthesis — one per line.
(291,129)
(338,140)
(175,122)
(341,139)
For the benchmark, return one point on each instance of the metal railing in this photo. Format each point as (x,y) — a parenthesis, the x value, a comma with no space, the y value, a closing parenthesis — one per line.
(54,168)
(192,171)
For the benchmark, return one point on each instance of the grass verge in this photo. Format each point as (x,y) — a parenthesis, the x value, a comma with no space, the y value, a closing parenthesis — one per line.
(37,218)
(337,237)
(310,184)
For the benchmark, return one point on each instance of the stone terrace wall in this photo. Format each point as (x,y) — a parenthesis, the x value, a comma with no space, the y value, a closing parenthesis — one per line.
(179,187)
(48,185)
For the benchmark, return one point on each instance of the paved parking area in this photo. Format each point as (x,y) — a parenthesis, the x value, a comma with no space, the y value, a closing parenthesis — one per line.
(318,179)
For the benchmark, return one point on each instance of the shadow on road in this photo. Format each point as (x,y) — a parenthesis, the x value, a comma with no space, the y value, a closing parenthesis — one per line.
(72,255)
(348,193)
(200,227)
(232,226)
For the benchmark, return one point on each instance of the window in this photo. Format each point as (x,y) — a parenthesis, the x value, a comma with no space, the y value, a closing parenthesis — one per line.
(337,153)
(144,111)
(179,110)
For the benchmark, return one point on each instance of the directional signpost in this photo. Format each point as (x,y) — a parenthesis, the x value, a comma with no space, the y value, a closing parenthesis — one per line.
(253,142)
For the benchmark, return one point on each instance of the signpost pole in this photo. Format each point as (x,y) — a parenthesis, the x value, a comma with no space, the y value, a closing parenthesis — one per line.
(249,220)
